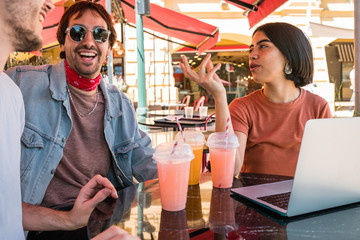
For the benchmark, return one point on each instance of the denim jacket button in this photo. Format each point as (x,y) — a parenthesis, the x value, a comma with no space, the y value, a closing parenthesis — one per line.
(64,139)
(53,171)
(125,156)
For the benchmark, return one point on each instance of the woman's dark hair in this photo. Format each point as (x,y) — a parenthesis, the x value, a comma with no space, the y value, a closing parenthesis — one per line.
(296,48)
(79,8)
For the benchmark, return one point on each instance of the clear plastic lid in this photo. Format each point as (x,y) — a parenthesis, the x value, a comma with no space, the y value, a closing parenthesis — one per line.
(164,152)
(220,140)
(193,138)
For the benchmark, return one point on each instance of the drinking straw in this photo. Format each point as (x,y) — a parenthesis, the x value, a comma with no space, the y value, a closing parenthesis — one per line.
(174,147)
(203,162)
(227,127)
(207,119)
(179,126)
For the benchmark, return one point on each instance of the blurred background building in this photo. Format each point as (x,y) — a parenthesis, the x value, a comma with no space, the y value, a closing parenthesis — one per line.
(328,23)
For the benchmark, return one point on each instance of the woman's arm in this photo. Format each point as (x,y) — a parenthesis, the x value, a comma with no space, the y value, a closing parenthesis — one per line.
(239,157)
(208,79)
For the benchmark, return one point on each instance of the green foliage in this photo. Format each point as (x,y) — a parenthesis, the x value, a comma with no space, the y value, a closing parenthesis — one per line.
(356,113)
(13,61)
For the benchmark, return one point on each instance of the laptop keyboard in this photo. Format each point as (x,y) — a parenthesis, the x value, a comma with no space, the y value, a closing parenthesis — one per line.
(280,200)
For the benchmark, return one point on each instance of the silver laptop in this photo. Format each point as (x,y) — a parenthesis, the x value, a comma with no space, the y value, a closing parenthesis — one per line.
(327,173)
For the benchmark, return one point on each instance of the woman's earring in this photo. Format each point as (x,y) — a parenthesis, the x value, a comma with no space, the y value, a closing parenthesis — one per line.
(288,69)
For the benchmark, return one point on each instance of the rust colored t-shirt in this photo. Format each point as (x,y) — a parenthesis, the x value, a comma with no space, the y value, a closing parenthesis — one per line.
(274,130)
(85,154)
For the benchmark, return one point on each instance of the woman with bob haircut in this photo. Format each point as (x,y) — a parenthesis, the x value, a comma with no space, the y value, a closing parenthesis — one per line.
(269,122)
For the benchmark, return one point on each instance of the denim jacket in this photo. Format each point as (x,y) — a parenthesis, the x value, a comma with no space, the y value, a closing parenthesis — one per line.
(48,124)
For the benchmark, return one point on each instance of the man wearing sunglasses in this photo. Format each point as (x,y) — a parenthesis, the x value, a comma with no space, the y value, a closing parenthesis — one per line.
(77,126)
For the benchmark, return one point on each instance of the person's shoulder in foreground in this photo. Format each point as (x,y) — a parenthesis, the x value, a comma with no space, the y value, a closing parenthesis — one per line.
(16,19)
(11,126)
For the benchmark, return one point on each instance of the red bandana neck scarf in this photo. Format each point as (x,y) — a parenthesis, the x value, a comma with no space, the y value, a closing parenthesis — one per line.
(80,82)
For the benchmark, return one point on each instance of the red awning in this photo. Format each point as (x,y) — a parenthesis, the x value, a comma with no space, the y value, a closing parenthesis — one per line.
(175,24)
(257,12)
(50,24)
(202,35)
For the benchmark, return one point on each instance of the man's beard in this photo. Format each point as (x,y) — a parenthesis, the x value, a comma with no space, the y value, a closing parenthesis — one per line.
(25,40)
(21,26)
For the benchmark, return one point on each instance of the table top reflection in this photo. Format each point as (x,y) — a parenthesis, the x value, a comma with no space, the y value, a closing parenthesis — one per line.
(213,213)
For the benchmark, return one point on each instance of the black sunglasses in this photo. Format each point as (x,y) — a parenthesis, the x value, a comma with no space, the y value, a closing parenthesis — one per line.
(78,33)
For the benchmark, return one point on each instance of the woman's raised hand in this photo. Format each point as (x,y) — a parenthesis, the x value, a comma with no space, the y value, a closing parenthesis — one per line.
(206,77)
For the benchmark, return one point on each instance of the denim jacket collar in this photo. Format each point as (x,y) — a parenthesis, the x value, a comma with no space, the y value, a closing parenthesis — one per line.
(58,90)
(57,82)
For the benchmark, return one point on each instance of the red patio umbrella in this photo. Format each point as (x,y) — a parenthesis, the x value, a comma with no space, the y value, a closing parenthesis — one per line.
(174,24)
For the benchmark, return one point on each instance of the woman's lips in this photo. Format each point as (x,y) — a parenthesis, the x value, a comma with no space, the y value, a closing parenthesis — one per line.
(253,67)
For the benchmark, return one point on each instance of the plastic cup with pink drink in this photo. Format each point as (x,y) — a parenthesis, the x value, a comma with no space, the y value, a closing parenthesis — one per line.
(222,147)
(173,170)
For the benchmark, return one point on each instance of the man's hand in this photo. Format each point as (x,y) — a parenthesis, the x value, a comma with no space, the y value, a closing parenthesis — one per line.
(37,218)
(104,210)
(94,192)
(114,233)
